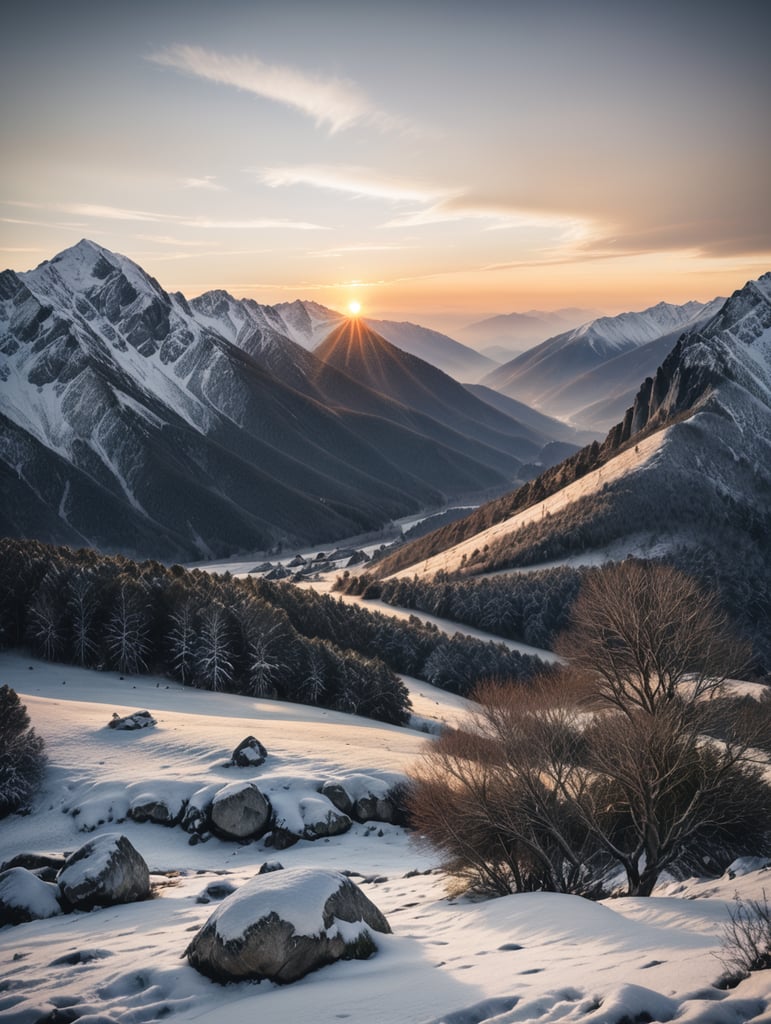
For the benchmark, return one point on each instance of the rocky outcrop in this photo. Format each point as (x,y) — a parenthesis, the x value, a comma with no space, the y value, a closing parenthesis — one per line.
(105,871)
(282,925)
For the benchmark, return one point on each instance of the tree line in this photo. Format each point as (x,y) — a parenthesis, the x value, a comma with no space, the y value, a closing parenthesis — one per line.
(249,636)
(529,607)
(212,632)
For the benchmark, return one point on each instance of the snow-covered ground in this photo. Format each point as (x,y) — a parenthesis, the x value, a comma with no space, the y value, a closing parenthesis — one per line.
(633,460)
(529,958)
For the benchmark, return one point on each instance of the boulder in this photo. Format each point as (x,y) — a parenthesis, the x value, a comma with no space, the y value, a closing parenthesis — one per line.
(215,891)
(158,809)
(25,897)
(105,871)
(136,720)
(41,864)
(309,817)
(197,815)
(284,924)
(249,753)
(240,811)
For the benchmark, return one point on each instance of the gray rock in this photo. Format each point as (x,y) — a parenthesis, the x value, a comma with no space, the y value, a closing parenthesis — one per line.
(44,866)
(25,897)
(335,792)
(240,811)
(270,865)
(105,871)
(157,810)
(249,753)
(282,925)
(137,720)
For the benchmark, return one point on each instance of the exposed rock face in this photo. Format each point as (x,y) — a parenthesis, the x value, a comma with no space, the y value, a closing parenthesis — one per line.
(249,753)
(137,720)
(284,924)
(25,897)
(240,811)
(105,871)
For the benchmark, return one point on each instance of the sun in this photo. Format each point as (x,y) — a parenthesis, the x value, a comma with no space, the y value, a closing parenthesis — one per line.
(354,307)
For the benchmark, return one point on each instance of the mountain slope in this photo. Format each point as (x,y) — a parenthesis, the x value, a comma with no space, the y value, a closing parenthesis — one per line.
(309,323)
(253,328)
(565,374)
(130,424)
(364,355)
(686,473)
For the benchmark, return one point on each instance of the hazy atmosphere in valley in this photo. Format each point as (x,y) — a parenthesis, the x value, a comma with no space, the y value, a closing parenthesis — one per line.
(385,513)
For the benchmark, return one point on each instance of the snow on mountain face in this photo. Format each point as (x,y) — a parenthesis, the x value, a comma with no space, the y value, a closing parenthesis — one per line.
(616,333)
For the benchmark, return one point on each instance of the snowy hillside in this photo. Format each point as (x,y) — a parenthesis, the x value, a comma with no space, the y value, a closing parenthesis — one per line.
(539,958)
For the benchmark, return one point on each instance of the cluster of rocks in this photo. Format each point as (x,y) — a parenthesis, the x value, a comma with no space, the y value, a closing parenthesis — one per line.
(242,812)
(105,871)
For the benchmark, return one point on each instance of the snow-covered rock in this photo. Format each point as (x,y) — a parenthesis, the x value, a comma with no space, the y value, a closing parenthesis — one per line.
(240,811)
(25,897)
(285,924)
(249,753)
(309,817)
(367,797)
(136,720)
(105,871)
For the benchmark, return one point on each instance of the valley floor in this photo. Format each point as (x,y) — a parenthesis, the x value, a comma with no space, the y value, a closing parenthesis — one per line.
(529,958)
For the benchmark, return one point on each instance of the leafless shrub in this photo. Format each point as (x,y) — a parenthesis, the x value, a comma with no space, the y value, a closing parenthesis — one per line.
(746,940)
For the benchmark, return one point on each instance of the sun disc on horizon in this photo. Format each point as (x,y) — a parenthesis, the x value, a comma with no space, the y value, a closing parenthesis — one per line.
(354,307)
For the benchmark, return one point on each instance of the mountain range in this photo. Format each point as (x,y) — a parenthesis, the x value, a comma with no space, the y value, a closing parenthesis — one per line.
(589,375)
(504,336)
(134,420)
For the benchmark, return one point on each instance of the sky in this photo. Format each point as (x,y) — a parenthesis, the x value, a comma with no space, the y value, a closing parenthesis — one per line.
(438,162)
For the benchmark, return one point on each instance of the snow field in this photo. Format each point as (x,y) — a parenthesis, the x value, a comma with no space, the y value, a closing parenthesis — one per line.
(537,957)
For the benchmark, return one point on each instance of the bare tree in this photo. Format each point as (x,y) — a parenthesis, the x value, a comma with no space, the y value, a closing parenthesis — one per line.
(214,650)
(127,633)
(81,604)
(182,641)
(45,621)
(557,783)
(641,629)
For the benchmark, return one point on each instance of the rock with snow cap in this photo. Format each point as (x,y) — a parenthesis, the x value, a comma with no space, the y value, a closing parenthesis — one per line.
(282,925)
(25,897)
(249,753)
(240,811)
(105,871)
(136,720)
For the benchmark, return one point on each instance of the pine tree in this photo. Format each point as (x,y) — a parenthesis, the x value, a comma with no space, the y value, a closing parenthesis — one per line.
(22,757)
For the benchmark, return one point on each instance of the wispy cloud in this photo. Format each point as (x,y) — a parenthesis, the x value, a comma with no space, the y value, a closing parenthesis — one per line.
(357,181)
(101,212)
(499,216)
(332,102)
(207,182)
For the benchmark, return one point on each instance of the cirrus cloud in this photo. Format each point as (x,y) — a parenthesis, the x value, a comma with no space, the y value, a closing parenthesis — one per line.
(333,102)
